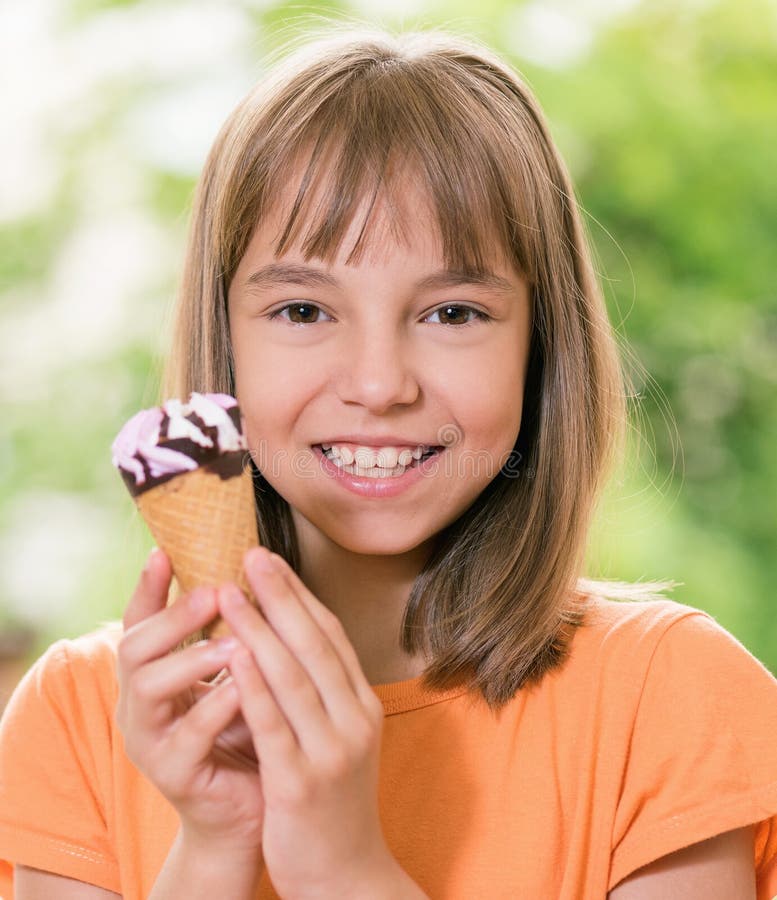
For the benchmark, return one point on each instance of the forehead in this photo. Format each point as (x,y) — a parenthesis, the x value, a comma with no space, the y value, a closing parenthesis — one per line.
(396,214)
(314,212)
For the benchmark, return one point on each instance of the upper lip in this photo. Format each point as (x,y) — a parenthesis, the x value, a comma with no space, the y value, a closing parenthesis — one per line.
(385,440)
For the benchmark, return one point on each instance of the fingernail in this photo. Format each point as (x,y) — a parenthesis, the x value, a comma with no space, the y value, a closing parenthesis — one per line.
(150,559)
(224,646)
(198,599)
(233,598)
(261,558)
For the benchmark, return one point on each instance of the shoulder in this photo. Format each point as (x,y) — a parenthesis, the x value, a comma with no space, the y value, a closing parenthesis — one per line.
(649,617)
(94,652)
(634,631)
(638,653)
(624,634)
(72,672)
(662,630)
(658,651)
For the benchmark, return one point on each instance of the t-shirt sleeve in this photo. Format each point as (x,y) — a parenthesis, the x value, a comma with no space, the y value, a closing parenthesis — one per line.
(55,750)
(703,753)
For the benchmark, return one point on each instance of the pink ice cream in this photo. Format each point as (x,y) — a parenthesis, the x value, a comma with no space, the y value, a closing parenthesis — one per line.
(159,443)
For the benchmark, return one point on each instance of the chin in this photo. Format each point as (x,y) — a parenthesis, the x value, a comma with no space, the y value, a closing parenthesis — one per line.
(377,548)
(375,545)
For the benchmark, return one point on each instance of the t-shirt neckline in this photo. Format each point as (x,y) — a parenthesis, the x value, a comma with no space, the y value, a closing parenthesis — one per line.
(402,696)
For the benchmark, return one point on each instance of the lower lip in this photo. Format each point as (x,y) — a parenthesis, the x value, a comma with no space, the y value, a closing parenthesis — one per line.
(378,487)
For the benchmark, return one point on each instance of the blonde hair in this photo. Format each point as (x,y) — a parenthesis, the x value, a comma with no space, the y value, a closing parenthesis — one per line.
(497,602)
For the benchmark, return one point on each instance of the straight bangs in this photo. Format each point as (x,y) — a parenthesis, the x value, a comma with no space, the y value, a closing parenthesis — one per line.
(395,121)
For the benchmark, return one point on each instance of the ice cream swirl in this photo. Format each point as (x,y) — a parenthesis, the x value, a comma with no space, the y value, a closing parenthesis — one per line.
(158,443)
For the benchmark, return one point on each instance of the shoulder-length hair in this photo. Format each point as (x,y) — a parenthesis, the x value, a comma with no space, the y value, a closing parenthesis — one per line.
(498,600)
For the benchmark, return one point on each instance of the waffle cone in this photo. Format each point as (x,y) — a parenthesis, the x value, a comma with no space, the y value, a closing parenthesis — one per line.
(205,524)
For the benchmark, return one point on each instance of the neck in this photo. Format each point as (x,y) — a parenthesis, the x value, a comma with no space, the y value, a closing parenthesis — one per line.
(368,594)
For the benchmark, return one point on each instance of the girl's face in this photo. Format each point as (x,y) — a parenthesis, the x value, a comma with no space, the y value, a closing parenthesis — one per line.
(382,352)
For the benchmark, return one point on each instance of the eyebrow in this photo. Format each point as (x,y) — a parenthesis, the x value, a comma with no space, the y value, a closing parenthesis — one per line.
(307,276)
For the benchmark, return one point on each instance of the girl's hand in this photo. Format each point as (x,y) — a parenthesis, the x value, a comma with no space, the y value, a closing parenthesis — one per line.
(316,727)
(186,736)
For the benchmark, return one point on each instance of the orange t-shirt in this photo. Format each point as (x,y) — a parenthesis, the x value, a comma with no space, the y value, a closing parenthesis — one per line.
(660,730)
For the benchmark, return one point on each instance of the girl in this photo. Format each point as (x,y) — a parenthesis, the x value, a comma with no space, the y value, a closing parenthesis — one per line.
(387,264)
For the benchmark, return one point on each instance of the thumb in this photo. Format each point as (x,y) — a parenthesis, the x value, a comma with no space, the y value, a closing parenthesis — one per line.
(150,594)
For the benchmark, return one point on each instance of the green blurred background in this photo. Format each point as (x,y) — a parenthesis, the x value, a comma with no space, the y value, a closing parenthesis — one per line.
(667,115)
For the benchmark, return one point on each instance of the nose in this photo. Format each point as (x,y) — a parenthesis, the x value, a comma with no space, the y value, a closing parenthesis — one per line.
(374,369)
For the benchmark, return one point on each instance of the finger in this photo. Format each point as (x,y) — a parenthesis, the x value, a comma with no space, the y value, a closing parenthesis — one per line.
(160,633)
(275,742)
(333,628)
(165,679)
(296,627)
(293,690)
(196,731)
(323,618)
(150,594)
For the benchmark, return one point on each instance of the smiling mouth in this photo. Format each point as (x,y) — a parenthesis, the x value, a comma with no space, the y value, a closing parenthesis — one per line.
(433,451)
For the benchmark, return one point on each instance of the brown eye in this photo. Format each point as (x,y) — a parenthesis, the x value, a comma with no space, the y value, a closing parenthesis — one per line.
(453,315)
(299,313)
(456,314)
(305,312)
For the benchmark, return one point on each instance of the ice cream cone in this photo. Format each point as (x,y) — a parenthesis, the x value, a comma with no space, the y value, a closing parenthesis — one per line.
(186,467)
(204,523)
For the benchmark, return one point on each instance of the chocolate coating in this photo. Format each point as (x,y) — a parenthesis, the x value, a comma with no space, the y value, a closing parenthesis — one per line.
(228,465)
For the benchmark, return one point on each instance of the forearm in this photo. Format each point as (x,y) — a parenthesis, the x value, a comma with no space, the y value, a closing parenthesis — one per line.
(203,873)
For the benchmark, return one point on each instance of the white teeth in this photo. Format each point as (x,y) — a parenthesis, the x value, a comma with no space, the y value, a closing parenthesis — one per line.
(370,457)
(364,457)
(371,472)
(387,457)
(384,462)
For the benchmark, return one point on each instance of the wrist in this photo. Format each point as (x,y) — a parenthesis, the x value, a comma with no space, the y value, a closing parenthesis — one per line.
(201,869)
(210,850)
(384,879)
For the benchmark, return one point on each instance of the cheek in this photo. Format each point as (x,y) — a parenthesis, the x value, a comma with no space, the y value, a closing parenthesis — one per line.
(488,402)
(258,377)
(496,426)
(273,402)
(261,404)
